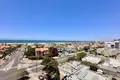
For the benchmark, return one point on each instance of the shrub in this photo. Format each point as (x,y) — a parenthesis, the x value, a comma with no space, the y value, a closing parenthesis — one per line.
(100,47)
(81,55)
(53,51)
(71,58)
(88,63)
(94,68)
(86,48)
(24,78)
(22,75)
(35,57)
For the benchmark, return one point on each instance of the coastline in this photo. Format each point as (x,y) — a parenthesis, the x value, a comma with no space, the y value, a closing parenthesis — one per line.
(40,41)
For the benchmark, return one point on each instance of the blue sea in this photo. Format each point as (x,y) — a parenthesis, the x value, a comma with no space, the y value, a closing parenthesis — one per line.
(39,41)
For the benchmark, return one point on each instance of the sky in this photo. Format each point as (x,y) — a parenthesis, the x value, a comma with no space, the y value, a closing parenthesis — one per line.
(60,19)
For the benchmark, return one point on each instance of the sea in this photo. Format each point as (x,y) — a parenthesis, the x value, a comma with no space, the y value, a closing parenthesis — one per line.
(40,41)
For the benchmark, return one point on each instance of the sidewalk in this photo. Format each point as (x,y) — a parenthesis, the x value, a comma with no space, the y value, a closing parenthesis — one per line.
(27,61)
(34,76)
(1,61)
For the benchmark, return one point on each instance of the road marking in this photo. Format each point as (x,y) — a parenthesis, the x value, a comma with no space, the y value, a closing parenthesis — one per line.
(33,77)
(9,66)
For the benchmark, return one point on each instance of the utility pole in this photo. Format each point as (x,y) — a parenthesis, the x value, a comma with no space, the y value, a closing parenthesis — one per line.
(36,63)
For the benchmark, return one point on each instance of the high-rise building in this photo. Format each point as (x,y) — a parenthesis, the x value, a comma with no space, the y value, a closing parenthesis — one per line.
(117,44)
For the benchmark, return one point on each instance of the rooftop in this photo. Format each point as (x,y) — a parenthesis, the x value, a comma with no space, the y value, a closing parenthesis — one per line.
(81,73)
(92,59)
(41,49)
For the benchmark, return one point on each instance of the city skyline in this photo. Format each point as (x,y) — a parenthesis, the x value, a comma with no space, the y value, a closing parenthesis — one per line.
(60,20)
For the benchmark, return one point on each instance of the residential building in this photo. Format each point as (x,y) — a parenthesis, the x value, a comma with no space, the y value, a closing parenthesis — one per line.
(75,71)
(45,51)
(113,44)
(41,51)
(92,59)
(111,67)
(1,53)
(110,44)
(110,52)
(100,50)
(117,44)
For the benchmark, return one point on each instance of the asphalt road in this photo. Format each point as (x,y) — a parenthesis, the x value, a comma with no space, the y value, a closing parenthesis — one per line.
(8,70)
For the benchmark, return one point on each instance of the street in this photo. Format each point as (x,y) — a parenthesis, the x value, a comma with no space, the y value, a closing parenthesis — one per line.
(8,70)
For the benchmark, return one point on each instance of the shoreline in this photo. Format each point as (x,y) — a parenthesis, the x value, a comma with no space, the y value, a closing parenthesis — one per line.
(39,41)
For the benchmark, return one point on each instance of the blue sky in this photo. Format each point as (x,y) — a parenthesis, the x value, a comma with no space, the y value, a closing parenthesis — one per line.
(60,19)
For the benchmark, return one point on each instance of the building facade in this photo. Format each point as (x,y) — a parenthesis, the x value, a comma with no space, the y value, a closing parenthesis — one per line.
(45,51)
(41,51)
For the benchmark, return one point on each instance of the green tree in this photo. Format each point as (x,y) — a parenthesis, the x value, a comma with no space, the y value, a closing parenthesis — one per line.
(8,51)
(22,75)
(53,51)
(89,63)
(81,55)
(100,47)
(30,51)
(46,60)
(71,58)
(86,48)
(51,67)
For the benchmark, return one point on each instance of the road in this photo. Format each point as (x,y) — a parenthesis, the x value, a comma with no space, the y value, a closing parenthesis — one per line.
(8,70)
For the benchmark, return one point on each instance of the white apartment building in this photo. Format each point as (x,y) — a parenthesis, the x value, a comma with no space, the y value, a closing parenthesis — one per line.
(112,44)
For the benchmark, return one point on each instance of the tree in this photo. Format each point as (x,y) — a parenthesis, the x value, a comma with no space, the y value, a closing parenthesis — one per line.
(81,55)
(35,57)
(94,51)
(19,45)
(100,47)
(8,51)
(46,60)
(22,75)
(86,48)
(37,46)
(53,51)
(71,58)
(30,51)
(51,67)
(89,63)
